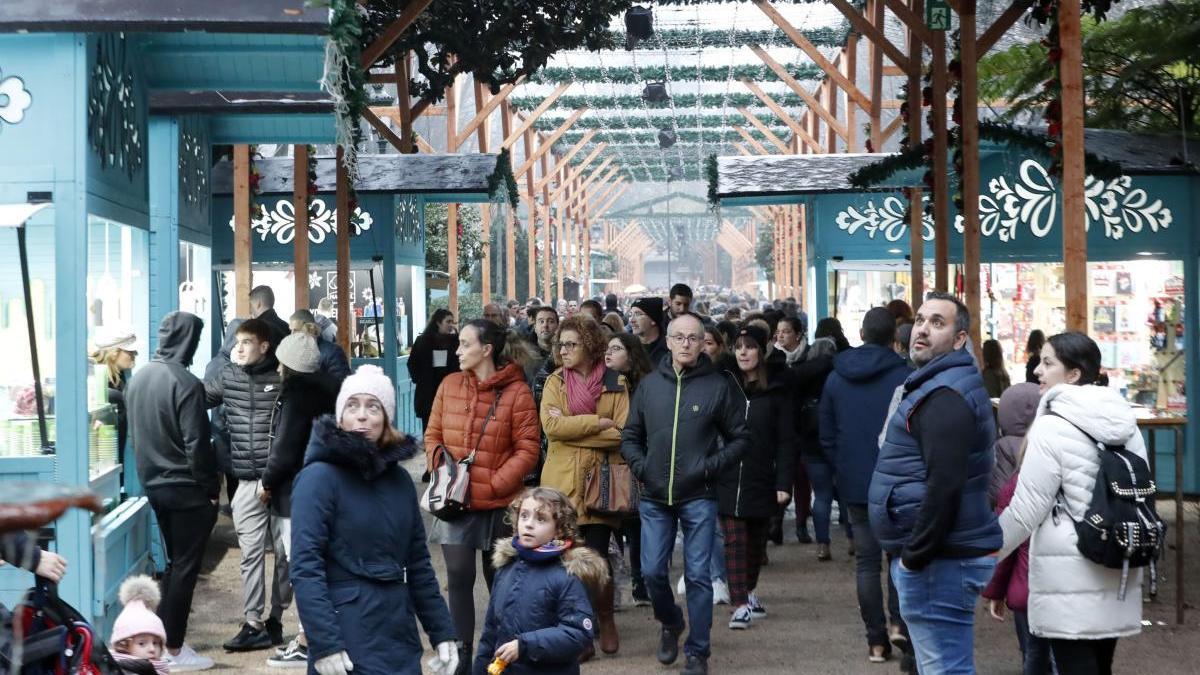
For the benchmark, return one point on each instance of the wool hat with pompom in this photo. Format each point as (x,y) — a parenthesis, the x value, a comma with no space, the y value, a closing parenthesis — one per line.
(368,379)
(140,596)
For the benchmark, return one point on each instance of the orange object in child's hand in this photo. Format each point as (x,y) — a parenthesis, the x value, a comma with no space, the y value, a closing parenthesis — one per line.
(497,667)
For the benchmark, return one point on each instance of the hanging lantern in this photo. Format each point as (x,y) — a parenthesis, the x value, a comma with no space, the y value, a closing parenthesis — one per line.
(655,92)
(639,25)
(666,138)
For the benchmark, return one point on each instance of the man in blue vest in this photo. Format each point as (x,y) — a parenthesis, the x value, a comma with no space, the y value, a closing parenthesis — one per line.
(928,496)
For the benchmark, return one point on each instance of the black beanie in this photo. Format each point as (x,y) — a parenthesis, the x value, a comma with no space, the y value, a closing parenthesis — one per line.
(651,307)
(757,334)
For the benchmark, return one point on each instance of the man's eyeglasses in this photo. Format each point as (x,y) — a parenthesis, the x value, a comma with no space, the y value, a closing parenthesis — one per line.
(680,338)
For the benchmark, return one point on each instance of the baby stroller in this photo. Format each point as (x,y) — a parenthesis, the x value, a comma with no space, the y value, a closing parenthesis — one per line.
(50,637)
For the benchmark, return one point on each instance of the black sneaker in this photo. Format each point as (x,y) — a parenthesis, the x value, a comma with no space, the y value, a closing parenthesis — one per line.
(248,639)
(908,663)
(641,598)
(668,644)
(274,628)
(803,536)
(696,665)
(295,655)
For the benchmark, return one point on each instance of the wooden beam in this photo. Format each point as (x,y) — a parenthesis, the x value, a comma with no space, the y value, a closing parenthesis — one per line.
(528,120)
(969,128)
(531,228)
(404,102)
(559,217)
(576,185)
(831,98)
(392,33)
(766,131)
(809,100)
(300,209)
(602,185)
(424,146)
(602,194)
(611,200)
(483,113)
(1073,173)
(941,184)
(851,65)
(545,146)
(894,71)
(342,188)
(875,7)
(384,130)
(891,128)
(916,202)
(914,23)
(762,150)
(241,231)
(813,53)
(579,168)
(546,233)
(872,30)
(782,115)
(1000,26)
(742,148)
(452,209)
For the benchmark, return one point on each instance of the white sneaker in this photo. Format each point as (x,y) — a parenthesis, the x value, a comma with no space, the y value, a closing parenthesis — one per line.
(681,587)
(720,592)
(756,607)
(187,660)
(742,618)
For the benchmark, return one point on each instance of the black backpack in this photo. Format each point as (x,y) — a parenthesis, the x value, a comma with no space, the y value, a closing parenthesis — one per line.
(1121,528)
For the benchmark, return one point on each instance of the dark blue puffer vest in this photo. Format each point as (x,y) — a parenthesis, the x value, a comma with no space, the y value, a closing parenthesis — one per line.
(898,484)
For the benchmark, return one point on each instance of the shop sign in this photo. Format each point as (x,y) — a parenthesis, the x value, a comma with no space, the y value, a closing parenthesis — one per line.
(1031,199)
(280,222)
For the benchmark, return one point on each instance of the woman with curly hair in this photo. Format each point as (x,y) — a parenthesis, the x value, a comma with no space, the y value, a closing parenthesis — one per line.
(583,411)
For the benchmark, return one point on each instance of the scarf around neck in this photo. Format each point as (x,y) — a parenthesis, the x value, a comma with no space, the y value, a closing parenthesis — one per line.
(583,396)
(551,549)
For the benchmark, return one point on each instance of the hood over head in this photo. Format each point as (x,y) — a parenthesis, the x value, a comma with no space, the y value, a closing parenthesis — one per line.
(1018,408)
(866,362)
(178,337)
(1099,411)
(347,449)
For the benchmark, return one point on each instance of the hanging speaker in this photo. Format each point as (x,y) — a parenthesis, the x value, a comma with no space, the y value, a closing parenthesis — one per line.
(666,138)
(655,92)
(639,25)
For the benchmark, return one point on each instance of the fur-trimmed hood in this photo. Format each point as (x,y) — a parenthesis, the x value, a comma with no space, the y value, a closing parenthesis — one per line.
(580,561)
(344,448)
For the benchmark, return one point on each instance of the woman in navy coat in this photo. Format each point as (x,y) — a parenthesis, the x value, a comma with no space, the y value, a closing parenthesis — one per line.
(360,566)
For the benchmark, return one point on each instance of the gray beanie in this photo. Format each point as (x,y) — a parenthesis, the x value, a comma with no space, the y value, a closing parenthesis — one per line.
(299,352)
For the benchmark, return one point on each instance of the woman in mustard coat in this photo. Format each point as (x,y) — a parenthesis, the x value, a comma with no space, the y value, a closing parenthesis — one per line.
(584,406)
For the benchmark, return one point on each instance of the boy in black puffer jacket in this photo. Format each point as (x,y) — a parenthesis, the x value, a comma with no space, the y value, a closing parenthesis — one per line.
(539,619)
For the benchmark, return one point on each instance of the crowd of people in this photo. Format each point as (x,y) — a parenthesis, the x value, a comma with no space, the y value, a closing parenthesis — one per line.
(612,427)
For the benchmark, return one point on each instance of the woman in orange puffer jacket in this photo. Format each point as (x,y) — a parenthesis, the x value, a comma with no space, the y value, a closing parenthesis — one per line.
(487,408)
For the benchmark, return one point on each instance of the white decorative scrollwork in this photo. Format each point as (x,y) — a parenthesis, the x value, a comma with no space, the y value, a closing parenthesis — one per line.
(15,99)
(1032,200)
(281,222)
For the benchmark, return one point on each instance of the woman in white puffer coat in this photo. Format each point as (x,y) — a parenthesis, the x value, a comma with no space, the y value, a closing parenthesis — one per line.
(1072,600)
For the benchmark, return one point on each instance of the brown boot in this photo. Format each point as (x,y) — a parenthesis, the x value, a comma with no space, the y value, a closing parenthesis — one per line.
(610,642)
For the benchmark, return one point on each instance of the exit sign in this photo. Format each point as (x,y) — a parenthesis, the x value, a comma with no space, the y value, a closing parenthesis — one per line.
(937,15)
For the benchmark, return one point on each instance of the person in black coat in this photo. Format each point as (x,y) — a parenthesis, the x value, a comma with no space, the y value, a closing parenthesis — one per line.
(810,375)
(750,492)
(359,563)
(434,355)
(262,307)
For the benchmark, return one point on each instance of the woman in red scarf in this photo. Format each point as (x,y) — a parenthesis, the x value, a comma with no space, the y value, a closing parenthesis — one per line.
(584,406)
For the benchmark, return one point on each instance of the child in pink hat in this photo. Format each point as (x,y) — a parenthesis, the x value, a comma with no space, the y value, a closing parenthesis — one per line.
(139,637)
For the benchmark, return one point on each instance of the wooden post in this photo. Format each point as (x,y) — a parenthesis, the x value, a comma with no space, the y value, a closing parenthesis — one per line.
(1074,218)
(452,209)
(941,183)
(777,229)
(485,210)
(345,326)
(532,226)
(875,8)
(300,208)
(916,255)
(547,227)
(831,105)
(404,103)
(559,216)
(510,234)
(916,215)
(851,65)
(242,282)
(970,172)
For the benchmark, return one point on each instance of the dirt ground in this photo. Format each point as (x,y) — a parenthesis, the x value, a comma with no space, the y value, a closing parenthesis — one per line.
(813,627)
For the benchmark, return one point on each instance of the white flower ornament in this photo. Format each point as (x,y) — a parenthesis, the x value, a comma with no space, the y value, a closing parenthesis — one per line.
(14,100)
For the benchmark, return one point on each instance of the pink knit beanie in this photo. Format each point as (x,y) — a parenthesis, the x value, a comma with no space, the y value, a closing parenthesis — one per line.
(140,595)
(368,379)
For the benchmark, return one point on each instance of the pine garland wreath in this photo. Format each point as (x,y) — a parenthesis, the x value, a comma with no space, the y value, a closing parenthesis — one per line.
(1042,143)
(710,170)
(634,102)
(646,121)
(504,175)
(631,75)
(876,173)
(311,172)
(955,132)
(345,81)
(675,37)
(256,210)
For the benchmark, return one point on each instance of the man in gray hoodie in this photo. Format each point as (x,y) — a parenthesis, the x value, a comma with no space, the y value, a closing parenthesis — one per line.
(169,433)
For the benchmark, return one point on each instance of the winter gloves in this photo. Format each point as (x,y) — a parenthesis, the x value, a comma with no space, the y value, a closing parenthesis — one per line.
(334,664)
(446,661)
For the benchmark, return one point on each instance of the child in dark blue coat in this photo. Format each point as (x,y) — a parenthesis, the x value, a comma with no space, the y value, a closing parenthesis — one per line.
(539,619)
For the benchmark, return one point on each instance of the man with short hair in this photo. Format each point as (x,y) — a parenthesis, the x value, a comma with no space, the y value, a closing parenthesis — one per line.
(854,407)
(592,309)
(262,307)
(680,299)
(611,305)
(333,358)
(685,427)
(927,500)
(516,317)
(248,387)
(169,434)
(545,327)
(494,313)
(645,321)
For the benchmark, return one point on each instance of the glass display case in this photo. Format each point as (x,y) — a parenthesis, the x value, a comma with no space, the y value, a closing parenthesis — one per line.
(195,296)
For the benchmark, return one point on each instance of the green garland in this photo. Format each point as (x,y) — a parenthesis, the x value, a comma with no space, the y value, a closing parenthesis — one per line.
(641,120)
(635,102)
(683,136)
(345,81)
(874,174)
(710,169)
(1042,143)
(674,37)
(504,173)
(630,75)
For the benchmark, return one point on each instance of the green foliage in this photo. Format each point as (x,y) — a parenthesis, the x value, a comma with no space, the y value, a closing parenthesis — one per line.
(634,102)
(764,252)
(711,173)
(630,75)
(470,306)
(683,136)
(684,38)
(495,40)
(503,175)
(1141,72)
(604,267)
(470,244)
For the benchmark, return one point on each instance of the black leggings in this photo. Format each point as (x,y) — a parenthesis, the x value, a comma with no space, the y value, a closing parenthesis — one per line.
(596,537)
(1084,657)
(631,531)
(460,581)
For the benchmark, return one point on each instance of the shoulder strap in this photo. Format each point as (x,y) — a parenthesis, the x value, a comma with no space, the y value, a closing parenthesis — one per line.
(490,414)
(1081,430)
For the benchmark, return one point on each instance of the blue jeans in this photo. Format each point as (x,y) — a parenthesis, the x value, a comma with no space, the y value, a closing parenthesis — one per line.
(659,521)
(716,563)
(938,604)
(1035,651)
(820,475)
(868,561)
